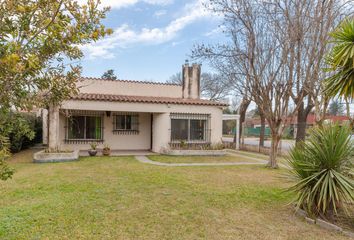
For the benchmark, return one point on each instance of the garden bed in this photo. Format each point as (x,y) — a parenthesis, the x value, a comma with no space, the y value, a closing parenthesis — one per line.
(50,157)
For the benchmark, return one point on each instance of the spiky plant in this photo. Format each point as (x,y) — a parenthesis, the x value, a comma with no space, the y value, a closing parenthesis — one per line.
(340,61)
(322,170)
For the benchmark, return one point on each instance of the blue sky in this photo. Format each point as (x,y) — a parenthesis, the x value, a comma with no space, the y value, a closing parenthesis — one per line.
(151,39)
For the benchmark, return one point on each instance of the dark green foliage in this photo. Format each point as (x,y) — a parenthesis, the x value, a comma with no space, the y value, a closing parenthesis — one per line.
(109,74)
(322,168)
(5,171)
(336,108)
(340,61)
(19,128)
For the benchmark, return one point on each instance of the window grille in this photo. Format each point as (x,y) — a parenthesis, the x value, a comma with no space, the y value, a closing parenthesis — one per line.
(84,127)
(125,123)
(190,128)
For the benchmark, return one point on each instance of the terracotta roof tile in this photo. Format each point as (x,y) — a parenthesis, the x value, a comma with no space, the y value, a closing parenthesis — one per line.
(144,99)
(129,81)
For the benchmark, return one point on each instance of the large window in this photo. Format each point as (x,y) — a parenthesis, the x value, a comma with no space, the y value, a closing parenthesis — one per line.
(85,128)
(189,127)
(126,123)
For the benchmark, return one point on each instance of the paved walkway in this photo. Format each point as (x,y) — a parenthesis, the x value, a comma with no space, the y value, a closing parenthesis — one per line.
(144,159)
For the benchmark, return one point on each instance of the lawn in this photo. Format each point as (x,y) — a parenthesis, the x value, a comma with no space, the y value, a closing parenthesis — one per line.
(121,198)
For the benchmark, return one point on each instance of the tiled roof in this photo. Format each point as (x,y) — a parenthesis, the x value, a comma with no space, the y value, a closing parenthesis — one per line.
(144,99)
(129,81)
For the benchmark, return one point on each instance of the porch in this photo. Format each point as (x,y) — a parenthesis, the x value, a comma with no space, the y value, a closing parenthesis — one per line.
(124,132)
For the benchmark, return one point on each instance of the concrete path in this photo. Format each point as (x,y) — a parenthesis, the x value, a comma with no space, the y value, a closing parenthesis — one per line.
(144,159)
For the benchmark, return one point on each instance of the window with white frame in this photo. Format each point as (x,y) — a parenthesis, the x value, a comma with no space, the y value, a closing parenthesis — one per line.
(125,123)
(190,127)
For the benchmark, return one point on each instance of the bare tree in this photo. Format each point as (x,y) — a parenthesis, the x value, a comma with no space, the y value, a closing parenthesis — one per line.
(256,60)
(306,26)
(213,86)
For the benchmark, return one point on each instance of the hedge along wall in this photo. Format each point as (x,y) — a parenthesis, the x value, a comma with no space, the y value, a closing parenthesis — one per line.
(19,140)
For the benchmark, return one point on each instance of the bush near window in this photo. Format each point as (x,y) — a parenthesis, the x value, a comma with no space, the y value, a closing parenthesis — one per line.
(322,168)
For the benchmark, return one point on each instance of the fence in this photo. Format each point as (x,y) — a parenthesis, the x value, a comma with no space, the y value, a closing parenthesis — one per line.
(263,150)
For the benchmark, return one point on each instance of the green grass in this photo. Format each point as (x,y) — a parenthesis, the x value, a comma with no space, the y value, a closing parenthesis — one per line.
(121,198)
(199,159)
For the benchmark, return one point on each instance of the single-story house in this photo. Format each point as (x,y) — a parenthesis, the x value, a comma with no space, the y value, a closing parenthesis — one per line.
(134,115)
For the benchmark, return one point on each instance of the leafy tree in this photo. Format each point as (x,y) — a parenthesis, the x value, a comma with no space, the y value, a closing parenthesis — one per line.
(109,74)
(323,171)
(39,43)
(336,108)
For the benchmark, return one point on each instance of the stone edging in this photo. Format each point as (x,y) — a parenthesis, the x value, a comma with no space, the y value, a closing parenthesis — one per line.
(43,157)
(323,224)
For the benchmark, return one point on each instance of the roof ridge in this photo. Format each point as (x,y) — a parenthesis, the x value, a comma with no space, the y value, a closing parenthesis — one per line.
(131,81)
(180,98)
(144,99)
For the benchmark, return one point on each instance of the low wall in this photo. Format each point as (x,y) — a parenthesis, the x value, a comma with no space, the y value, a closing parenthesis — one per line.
(44,157)
(196,152)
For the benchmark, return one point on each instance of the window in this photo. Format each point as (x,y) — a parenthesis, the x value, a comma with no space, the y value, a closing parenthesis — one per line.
(189,127)
(85,128)
(126,123)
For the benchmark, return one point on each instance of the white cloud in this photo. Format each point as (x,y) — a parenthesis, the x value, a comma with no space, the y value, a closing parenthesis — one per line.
(215,31)
(115,4)
(160,13)
(124,36)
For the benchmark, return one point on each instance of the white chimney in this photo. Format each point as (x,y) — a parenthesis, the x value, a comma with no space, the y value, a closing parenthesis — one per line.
(191,81)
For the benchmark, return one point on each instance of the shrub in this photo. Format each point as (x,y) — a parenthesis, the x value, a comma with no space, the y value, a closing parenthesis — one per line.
(21,129)
(5,171)
(321,169)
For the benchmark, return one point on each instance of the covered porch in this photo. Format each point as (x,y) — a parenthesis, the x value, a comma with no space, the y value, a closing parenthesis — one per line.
(150,126)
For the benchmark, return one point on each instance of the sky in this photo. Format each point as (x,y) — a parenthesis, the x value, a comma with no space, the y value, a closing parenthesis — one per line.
(151,39)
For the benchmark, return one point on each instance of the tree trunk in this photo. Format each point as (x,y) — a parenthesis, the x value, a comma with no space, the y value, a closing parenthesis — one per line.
(262,131)
(302,114)
(242,111)
(301,124)
(274,150)
(53,135)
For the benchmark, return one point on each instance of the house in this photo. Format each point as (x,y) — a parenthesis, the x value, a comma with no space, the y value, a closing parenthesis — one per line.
(135,115)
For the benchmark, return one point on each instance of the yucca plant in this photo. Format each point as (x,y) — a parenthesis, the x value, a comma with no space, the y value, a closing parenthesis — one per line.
(340,61)
(322,170)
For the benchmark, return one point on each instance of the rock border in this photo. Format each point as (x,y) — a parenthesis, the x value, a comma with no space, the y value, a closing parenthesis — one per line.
(43,157)
(322,223)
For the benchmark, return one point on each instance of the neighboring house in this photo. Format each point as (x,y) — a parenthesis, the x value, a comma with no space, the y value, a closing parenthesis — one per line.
(135,115)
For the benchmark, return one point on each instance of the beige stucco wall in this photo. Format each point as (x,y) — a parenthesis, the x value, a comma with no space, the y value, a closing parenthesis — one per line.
(140,141)
(161,123)
(129,88)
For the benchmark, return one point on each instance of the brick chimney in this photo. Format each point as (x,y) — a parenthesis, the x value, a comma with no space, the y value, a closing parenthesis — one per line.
(191,81)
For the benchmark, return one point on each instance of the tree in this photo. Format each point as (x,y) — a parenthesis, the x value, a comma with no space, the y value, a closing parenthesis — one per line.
(336,108)
(213,86)
(341,62)
(109,74)
(274,55)
(307,25)
(39,41)
(256,61)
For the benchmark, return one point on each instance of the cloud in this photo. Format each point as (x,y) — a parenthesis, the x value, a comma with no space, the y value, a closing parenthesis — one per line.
(160,13)
(116,4)
(124,36)
(216,31)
